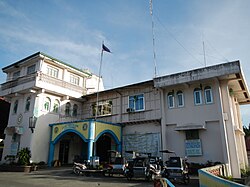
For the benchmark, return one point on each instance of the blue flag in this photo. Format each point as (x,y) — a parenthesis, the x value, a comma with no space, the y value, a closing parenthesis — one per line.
(104,48)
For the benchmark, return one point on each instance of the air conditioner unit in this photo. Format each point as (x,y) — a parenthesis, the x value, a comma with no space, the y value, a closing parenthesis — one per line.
(129,110)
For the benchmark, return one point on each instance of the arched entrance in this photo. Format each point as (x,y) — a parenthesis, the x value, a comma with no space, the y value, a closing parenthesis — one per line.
(83,139)
(71,148)
(103,145)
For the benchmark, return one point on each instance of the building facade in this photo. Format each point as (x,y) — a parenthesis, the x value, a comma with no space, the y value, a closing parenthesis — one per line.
(194,113)
(48,90)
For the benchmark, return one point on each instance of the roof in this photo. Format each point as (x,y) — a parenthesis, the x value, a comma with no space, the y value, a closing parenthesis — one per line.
(37,54)
(198,74)
(230,71)
(122,87)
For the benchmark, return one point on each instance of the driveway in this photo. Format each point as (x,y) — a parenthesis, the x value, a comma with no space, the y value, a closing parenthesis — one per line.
(63,177)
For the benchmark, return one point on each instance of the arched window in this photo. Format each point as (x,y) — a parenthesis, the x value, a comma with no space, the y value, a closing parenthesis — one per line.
(197,96)
(27,104)
(75,108)
(208,95)
(56,106)
(171,100)
(15,107)
(47,104)
(67,109)
(180,99)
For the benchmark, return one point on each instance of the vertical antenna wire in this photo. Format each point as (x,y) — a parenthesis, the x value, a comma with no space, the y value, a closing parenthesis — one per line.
(204,53)
(153,37)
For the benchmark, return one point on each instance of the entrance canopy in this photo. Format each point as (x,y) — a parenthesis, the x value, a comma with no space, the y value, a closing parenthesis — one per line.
(88,130)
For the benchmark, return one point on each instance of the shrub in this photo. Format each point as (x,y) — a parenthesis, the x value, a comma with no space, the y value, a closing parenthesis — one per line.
(24,156)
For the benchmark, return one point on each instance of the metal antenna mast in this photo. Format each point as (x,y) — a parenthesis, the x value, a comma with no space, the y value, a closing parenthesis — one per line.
(153,37)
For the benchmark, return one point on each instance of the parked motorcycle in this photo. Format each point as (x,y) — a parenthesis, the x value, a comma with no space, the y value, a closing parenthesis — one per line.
(142,167)
(152,171)
(78,168)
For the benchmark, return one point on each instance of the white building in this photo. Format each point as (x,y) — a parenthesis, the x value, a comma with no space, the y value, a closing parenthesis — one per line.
(48,89)
(194,113)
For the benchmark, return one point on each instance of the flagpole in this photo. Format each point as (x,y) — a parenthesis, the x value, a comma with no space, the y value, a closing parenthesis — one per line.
(98,85)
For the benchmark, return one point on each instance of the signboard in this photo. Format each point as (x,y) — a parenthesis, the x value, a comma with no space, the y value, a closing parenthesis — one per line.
(193,147)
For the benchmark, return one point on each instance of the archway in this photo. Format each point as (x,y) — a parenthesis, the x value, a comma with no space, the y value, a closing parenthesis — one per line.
(104,147)
(71,147)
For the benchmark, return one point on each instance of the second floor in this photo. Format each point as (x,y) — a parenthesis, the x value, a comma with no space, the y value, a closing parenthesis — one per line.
(40,71)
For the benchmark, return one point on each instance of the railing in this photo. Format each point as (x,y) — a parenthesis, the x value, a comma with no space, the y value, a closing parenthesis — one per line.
(18,81)
(210,177)
(44,78)
(51,80)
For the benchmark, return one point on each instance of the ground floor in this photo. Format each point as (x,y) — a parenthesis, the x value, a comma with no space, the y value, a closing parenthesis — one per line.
(84,140)
(100,142)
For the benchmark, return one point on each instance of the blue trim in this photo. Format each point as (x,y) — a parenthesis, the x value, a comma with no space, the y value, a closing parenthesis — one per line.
(67,131)
(110,132)
(91,130)
(169,183)
(220,181)
(62,123)
(89,120)
(90,149)
(90,139)
(51,149)
(51,154)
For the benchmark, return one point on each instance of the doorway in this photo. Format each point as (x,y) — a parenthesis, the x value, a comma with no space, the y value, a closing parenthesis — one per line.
(103,145)
(64,151)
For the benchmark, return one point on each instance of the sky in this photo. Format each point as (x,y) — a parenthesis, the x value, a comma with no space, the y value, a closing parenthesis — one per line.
(73,32)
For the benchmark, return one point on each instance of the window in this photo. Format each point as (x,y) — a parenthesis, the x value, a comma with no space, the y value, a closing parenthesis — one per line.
(67,109)
(192,134)
(15,107)
(197,96)
(74,79)
(47,103)
(27,105)
(208,95)
(51,71)
(31,69)
(104,108)
(180,99)
(171,100)
(16,74)
(56,106)
(75,108)
(136,102)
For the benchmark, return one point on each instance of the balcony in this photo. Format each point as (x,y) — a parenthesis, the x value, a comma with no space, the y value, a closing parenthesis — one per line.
(60,83)
(18,81)
(39,80)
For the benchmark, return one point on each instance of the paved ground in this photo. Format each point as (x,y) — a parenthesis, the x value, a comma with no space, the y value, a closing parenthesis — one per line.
(63,177)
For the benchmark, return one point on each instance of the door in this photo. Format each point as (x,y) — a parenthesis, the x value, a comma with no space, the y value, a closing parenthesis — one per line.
(64,152)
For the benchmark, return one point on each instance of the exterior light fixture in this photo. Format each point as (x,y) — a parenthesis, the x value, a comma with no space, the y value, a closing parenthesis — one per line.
(32,123)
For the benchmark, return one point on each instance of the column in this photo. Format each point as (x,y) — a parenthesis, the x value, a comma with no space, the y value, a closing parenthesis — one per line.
(91,138)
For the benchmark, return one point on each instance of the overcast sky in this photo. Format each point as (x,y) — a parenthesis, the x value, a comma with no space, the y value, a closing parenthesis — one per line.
(73,31)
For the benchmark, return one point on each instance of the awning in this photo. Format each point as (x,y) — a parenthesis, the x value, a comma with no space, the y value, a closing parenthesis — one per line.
(13,129)
(190,126)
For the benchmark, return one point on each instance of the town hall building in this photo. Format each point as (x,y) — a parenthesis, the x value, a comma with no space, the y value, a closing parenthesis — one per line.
(195,113)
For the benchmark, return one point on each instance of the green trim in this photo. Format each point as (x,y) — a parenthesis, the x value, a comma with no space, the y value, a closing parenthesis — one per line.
(48,56)
(44,54)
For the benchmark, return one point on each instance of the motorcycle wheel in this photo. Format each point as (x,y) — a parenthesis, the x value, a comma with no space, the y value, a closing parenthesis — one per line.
(129,177)
(76,171)
(186,179)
